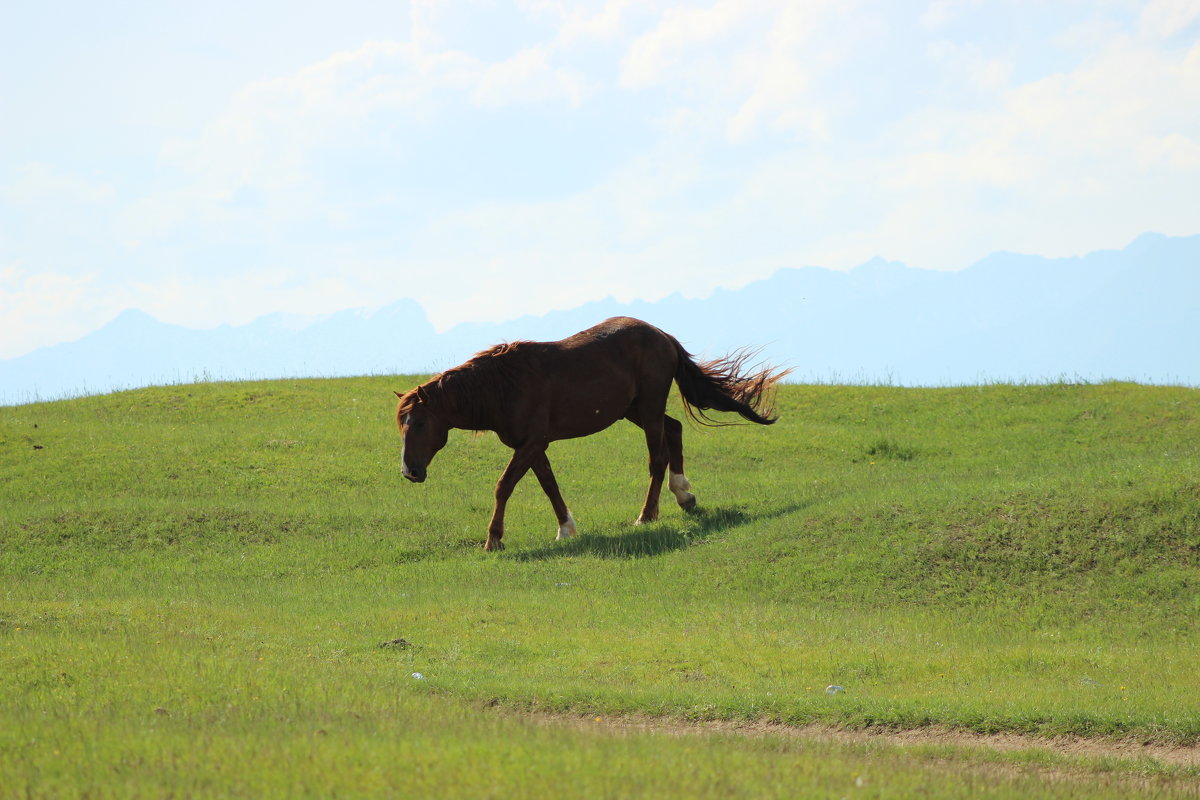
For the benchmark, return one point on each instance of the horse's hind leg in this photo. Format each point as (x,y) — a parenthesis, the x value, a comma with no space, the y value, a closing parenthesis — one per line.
(656,443)
(545,476)
(677,482)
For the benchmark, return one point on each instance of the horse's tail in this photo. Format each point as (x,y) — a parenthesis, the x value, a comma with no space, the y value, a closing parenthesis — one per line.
(733,384)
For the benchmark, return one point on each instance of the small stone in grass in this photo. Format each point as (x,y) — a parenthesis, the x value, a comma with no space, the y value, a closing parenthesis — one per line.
(401,643)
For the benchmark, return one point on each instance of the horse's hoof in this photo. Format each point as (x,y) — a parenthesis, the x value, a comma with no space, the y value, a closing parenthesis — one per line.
(567,529)
(646,518)
(688,503)
(493,545)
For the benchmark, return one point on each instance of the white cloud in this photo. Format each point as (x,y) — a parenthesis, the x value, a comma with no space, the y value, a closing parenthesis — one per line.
(1166,18)
(577,25)
(1173,151)
(37,308)
(939,13)
(1074,161)
(271,129)
(669,51)
(968,66)
(748,66)
(196,301)
(37,183)
(760,135)
(527,77)
(779,78)
(273,132)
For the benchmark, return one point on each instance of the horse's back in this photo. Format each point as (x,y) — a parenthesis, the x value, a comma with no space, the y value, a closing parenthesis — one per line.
(593,377)
(621,336)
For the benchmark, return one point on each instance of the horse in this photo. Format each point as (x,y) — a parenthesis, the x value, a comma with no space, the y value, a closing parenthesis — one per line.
(534,393)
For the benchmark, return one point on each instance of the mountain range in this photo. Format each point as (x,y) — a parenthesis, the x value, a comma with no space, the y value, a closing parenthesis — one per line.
(1131,314)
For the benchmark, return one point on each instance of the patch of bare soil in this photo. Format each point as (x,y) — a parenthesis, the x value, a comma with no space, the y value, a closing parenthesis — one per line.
(1078,746)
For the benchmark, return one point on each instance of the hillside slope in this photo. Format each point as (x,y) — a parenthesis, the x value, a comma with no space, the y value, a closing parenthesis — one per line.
(1021,558)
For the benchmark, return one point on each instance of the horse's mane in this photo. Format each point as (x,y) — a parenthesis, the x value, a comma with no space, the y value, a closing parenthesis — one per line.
(408,401)
(492,352)
(472,392)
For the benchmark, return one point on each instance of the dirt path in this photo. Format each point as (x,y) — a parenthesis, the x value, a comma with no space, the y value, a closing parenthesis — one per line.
(1124,749)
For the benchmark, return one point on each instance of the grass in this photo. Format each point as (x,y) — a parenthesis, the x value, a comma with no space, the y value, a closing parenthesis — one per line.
(196,581)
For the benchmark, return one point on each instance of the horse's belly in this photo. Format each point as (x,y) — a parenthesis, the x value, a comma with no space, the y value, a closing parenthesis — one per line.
(574,429)
(582,413)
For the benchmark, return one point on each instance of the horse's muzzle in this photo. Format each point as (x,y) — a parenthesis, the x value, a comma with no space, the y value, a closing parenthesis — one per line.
(415,477)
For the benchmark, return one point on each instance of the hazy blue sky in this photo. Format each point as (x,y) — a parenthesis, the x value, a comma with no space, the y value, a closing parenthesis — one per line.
(213,162)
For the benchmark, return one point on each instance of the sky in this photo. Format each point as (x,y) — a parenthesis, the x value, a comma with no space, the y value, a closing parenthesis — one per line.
(210,163)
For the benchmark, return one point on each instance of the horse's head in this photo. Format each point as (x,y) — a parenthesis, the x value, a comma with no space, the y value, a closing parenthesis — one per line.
(423,430)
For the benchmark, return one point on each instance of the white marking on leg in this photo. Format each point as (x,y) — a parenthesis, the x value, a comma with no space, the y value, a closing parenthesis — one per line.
(679,485)
(567,529)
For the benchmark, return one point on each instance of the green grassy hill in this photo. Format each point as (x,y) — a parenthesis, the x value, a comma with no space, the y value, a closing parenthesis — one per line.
(200,571)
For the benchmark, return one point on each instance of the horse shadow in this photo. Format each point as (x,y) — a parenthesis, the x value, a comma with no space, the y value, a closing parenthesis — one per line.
(657,538)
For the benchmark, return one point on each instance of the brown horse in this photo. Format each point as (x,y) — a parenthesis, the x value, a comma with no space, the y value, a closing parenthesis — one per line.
(534,393)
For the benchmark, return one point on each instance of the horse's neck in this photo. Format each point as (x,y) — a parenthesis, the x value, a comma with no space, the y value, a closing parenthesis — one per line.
(463,409)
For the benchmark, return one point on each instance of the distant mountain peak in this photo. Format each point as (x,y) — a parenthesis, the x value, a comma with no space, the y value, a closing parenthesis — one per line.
(879,265)
(1115,314)
(133,317)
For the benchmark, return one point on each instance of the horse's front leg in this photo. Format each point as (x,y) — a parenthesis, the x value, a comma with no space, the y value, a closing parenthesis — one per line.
(518,465)
(545,476)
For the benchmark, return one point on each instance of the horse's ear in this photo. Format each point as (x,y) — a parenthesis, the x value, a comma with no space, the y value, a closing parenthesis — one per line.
(421,394)
(398,394)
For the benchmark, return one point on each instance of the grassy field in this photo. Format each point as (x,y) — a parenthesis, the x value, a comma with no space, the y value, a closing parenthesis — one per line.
(195,582)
